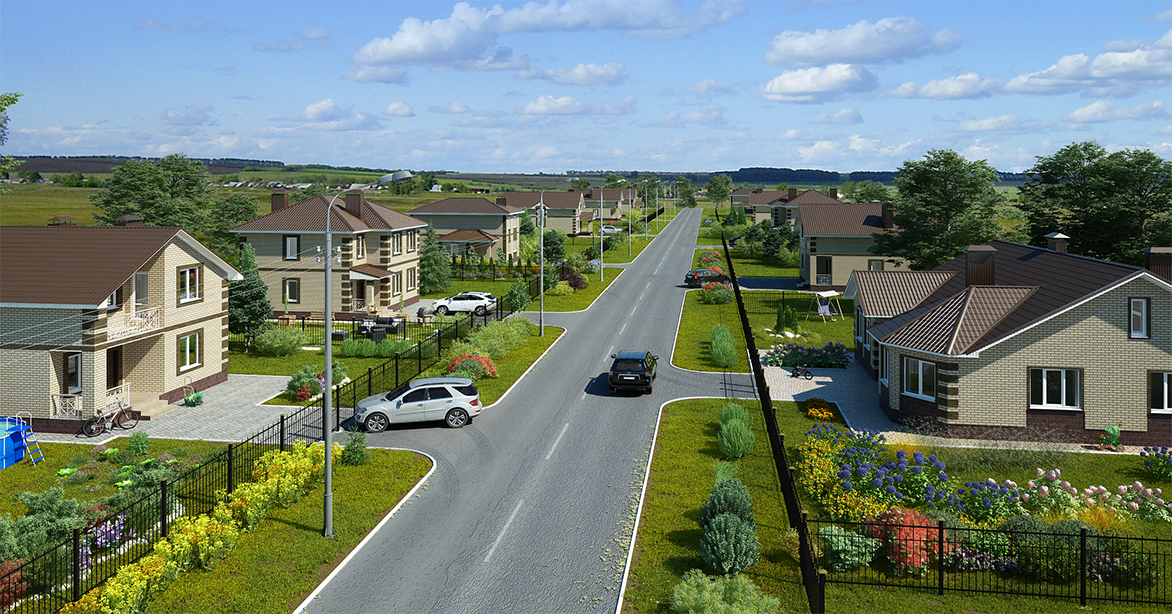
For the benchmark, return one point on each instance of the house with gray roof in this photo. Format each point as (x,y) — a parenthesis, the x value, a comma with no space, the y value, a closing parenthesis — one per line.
(1018,342)
(490,229)
(835,240)
(376,269)
(92,316)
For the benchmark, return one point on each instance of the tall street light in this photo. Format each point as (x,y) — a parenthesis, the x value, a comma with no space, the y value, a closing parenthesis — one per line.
(327,395)
(601,238)
(540,207)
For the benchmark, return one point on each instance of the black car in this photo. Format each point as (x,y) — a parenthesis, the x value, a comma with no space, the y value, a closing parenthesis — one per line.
(701,277)
(632,370)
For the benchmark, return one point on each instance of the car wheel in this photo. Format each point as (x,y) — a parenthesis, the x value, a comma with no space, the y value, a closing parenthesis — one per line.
(457,418)
(376,423)
(480,310)
(442,310)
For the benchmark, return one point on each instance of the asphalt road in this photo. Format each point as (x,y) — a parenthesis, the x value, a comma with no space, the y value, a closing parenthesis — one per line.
(532,506)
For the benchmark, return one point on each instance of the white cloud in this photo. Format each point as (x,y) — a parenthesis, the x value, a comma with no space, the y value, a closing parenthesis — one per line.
(1123,71)
(791,134)
(188,25)
(328,116)
(399,109)
(844,117)
(710,115)
(582,74)
(819,84)
(646,18)
(311,33)
(1006,124)
(566,105)
(1166,16)
(1105,111)
(891,39)
(822,150)
(308,38)
(710,86)
(455,107)
(968,85)
(377,74)
(193,115)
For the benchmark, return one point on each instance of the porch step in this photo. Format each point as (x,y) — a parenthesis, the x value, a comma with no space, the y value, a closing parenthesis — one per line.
(152,408)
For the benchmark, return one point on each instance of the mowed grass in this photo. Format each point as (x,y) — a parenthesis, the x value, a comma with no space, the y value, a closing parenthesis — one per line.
(747,267)
(623,254)
(277,565)
(510,367)
(35,205)
(692,340)
(579,300)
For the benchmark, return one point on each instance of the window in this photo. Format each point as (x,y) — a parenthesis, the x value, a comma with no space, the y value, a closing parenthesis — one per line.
(292,290)
(874,265)
(188,284)
(292,247)
(189,352)
(410,279)
(114,301)
(396,283)
(1161,392)
(860,324)
(1139,318)
(411,241)
(141,290)
(919,378)
(397,243)
(72,373)
(1054,388)
(359,247)
(883,364)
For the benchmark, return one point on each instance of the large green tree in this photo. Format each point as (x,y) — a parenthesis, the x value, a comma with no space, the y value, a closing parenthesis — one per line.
(614,181)
(871,191)
(945,203)
(435,267)
(684,191)
(1111,205)
(248,302)
(7,163)
(227,213)
(719,189)
(171,192)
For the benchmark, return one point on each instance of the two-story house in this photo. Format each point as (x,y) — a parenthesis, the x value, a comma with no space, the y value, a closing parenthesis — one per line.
(1012,341)
(91,316)
(780,206)
(491,230)
(835,239)
(376,269)
(565,211)
(615,203)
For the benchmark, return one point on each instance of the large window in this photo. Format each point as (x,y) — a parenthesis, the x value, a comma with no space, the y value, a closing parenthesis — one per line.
(410,279)
(188,284)
(359,247)
(919,378)
(72,373)
(396,283)
(397,243)
(292,247)
(411,240)
(1054,388)
(141,290)
(292,290)
(189,352)
(1139,318)
(874,265)
(1160,389)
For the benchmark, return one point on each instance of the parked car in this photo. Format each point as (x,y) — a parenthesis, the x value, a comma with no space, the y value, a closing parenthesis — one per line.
(455,400)
(700,277)
(479,303)
(632,370)
(610,230)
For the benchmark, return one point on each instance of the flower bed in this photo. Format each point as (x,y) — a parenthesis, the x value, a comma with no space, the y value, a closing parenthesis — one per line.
(833,355)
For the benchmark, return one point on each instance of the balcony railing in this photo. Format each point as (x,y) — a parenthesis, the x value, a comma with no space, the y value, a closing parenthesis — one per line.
(825,280)
(358,304)
(71,406)
(142,321)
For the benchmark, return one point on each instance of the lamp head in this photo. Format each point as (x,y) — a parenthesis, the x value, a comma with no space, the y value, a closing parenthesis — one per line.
(395,177)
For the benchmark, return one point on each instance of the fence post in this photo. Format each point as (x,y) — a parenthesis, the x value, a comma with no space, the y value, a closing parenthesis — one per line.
(231,471)
(369,379)
(337,408)
(76,563)
(1082,567)
(163,507)
(820,594)
(396,369)
(939,557)
(282,432)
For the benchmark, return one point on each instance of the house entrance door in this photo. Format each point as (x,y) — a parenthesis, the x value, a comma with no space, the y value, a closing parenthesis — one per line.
(113,367)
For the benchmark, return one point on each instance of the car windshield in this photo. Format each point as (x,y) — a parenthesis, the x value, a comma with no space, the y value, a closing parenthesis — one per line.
(392,395)
(628,365)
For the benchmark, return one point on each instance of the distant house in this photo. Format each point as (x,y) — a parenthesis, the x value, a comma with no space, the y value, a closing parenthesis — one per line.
(1012,341)
(834,240)
(615,203)
(489,229)
(379,260)
(565,210)
(91,316)
(780,206)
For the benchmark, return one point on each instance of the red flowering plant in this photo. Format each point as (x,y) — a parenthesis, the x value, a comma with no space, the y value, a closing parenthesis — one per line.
(716,293)
(473,365)
(909,539)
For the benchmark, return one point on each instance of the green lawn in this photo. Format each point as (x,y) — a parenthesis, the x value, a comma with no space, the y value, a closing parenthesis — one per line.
(762,305)
(691,349)
(277,565)
(618,255)
(579,300)
(748,267)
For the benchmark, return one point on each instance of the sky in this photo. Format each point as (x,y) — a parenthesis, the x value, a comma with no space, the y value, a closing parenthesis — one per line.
(582,85)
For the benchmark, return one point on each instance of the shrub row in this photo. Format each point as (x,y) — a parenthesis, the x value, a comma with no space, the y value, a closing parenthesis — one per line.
(722,346)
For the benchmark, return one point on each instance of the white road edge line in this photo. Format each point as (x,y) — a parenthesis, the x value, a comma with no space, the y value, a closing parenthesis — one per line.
(559,439)
(503,530)
(317,591)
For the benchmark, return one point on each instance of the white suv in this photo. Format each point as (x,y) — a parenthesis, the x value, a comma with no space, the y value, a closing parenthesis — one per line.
(455,400)
(479,303)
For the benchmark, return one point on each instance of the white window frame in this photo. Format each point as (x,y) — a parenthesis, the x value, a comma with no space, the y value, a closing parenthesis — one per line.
(142,283)
(1063,375)
(292,297)
(190,349)
(1137,313)
(883,368)
(860,324)
(1167,383)
(411,240)
(291,247)
(397,243)
(925,383)
(410,279)
(188,292)
(73,361)
(359,247)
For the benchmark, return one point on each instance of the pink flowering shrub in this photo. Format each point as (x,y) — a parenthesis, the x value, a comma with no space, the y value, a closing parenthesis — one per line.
(474,365)
(910,545)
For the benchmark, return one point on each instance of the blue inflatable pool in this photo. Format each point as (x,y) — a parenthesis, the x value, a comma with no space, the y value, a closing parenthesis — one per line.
(13,433)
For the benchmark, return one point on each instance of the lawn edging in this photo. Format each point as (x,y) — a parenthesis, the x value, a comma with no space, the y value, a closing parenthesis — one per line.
(316,592)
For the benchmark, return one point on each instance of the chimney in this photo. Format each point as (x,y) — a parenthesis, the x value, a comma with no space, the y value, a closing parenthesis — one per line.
(354,204)
(1056,241)
(1158,261)
(834,192)
(793,193)
(280,200)
(888,215)
(501,200)
(979,266)
(128,220)
(63,220)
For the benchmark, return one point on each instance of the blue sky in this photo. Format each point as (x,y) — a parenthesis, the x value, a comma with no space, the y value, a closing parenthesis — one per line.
(552,86)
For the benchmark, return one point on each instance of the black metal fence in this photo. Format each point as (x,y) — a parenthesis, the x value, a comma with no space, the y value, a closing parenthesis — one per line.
(66,571)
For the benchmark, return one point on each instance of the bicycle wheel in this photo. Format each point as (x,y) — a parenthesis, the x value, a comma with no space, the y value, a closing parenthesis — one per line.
(129,419)
(92,427)
(809,375)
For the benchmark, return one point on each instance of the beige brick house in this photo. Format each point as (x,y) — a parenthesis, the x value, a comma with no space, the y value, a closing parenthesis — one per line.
(835,239)
(568,212)
(1011,341)
(780,206)
(490,229)
(379,259)
(95,315)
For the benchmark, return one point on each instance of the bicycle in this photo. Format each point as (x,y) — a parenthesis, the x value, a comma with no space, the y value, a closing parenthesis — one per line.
(121,417)
(802,372)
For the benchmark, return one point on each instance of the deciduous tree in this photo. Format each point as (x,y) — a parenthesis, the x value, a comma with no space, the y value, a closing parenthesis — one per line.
(719,189)
(871,191)
(227,213)
(171,192)
(685,192)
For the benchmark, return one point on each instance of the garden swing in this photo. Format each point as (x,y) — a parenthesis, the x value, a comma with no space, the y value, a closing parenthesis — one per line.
(827,302)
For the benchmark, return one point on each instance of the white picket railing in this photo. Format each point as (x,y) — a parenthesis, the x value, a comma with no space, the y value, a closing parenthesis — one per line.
(143,321)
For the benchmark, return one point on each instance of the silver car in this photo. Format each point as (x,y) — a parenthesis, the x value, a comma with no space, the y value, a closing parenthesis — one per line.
(455,400)
(479,303)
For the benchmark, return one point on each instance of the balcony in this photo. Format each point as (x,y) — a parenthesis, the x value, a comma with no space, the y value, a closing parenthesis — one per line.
(824,280)
(129,325)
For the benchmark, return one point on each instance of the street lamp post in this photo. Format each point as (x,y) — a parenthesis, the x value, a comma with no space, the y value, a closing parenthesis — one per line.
(540,206)
(327,394)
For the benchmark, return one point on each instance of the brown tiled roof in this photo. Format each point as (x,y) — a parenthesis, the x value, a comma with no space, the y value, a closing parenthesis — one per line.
(468,235)
(609,194)
(587,215)
(555,200)
(886,294)
(309,216)
(954,325)
(840,219)
(82,265)
(813,197)
(369,270)
(465,206)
